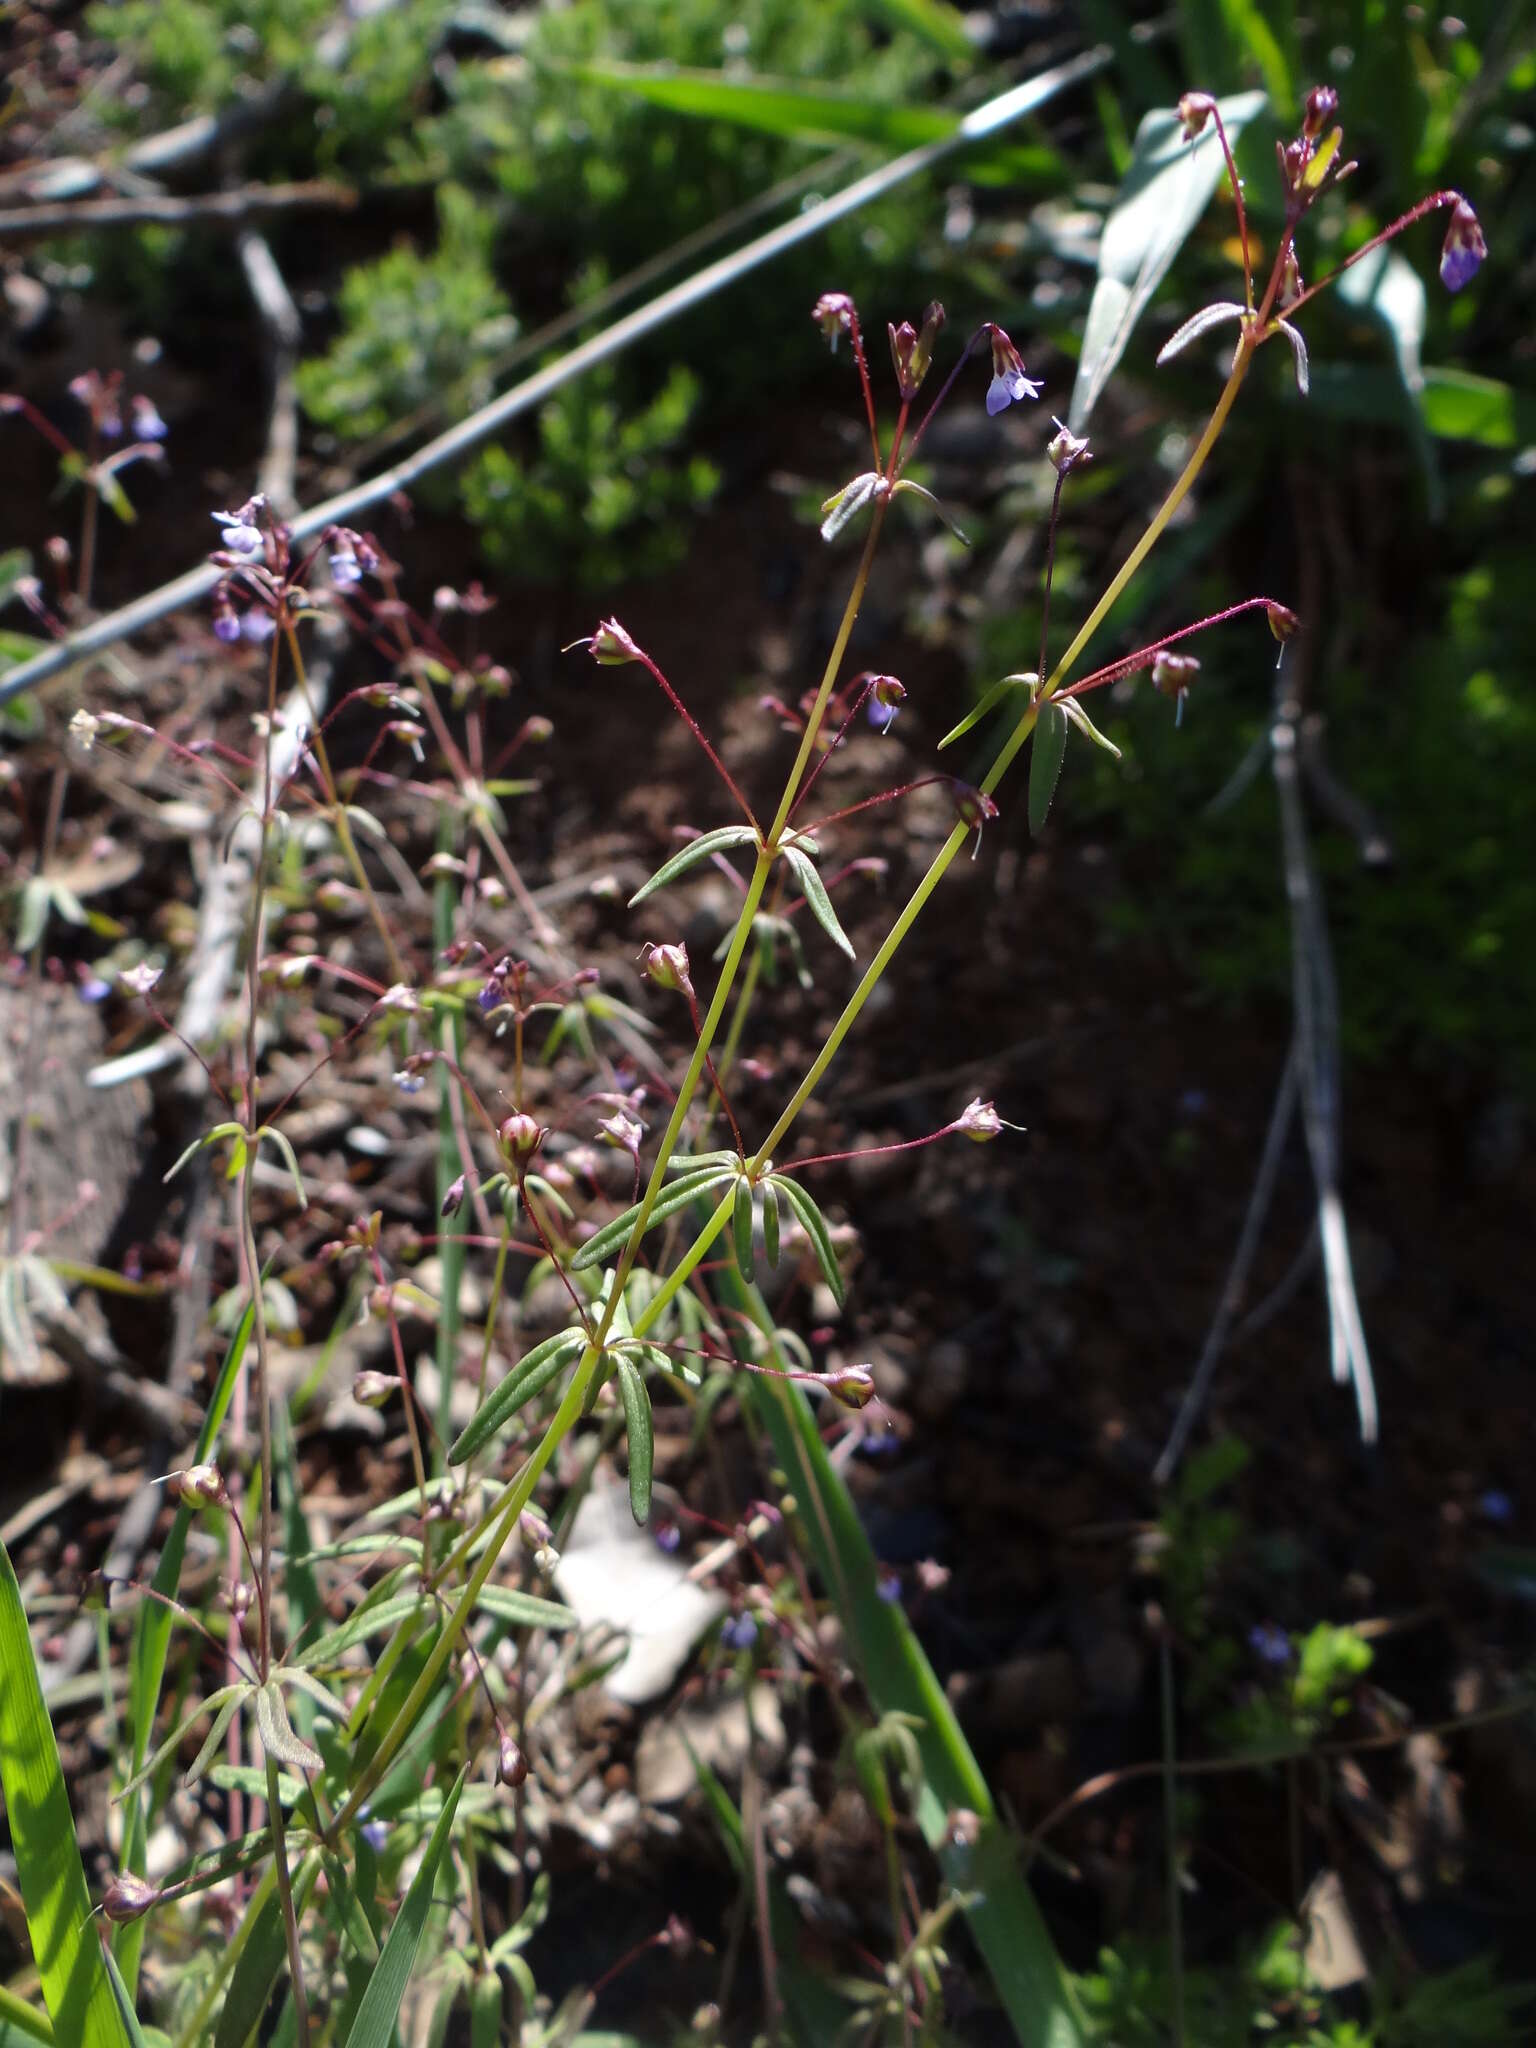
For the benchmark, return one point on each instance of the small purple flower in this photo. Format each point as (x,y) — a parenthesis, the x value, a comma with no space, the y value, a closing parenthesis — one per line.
(1496,1506)
(1464,248)
(669,1537)
(346,569)
(1270,1643)
(94,990)
(226,626)
(739,1632)
(888,1587)
(258,625)
(835,315)
(492,996)
(240,533)
(375,1833)
(147,423)
(1008,379)
(410,1084)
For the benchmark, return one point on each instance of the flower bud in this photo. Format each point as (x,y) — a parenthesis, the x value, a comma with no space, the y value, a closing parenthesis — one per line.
(129,1897)
(83,728)
(1464,248)
(1283,622)
(453,1197)
(201,1486)
(979,1121)
(886,697)
(667,966)
(611,645)
(912,353)
(373,1389)
(521,1136)
(533,1529)
(1195,109)
(1322,104)
(511,1764)
(853,1385)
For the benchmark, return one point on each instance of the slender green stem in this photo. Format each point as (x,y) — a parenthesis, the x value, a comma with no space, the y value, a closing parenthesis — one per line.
(1160,517)
(450,1028)
(285,1899)
(23,2018)
(829,675)
(1172,1876)
(338,810)
(683,1270)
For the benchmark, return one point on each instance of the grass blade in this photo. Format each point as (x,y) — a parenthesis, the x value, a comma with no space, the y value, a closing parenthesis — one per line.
(376,2016)
(1045,758)
(76,1988)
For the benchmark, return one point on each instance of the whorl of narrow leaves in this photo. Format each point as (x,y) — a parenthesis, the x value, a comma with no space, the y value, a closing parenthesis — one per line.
(642,1440)
(528,1378)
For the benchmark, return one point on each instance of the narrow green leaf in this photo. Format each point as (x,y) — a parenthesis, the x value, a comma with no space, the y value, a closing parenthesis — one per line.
(123,2000)
(814,1224)
(19,2021)
(278,1740)
(672,1198)
(815,892)
(691,1162)
(276,1137)
(485,2004)
(1007,687)
(1047,751)
(741,1228)
(1073,707)
(1161,198)
(776,106)
(527,1379)
(380,2009)
(66,1944)
(524,1610)
(642,1439)
(771,1223)
(702,848)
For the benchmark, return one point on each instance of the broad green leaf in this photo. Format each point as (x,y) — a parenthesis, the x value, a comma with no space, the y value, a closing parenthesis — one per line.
(814,1224)
(1046,754)
(707,843)
(1459,406)
(527,1379)
(1386,288)
(1162,196)
(672,1198)
(66,1943)
(642,1439)
(380,2009)
(815,892)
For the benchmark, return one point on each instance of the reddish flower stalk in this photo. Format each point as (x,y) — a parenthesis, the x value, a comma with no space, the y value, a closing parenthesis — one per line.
(1145,656)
